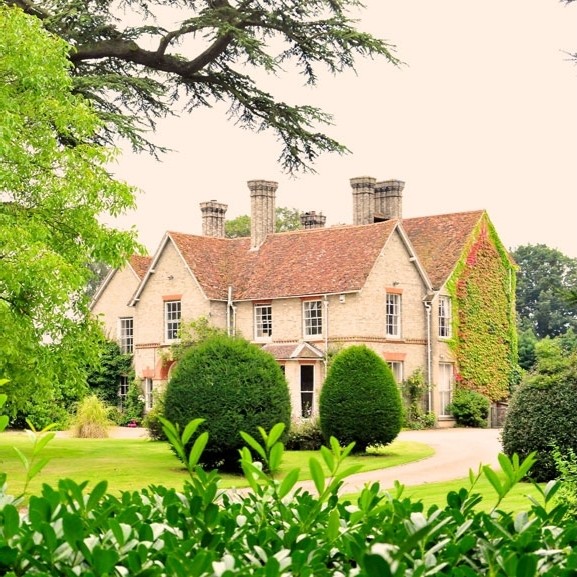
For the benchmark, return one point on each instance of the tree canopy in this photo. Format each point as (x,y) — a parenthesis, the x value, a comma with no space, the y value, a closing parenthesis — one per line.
(545,279)
(51,197)
(286,219)
(135,70)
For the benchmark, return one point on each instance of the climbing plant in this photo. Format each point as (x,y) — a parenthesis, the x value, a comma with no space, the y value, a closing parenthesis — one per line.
(482,288)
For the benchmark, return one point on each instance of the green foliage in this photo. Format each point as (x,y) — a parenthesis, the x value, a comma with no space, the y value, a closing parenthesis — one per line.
(286,219)
(470,409)
(546,276)
(153,418)
(413,391)
(104,378)
(482,288)
(56,187)
(527,342)
(216,53)
(234,386)
(542,412)
(133,409)
(305,435)
(566,464)
(278,529)
(360,401)
(191,334)
(238,227)
(92,419)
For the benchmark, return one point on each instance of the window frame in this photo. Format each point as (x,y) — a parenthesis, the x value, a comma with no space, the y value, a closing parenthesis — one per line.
(148,393)
(260,321)
(126,335)
(311,321)
(308,392)
(397,367)
(393,300)
(446,387)
(445,318)
(172,323)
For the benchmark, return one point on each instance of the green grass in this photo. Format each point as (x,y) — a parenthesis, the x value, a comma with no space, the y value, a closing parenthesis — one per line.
(436,494)
(131,464)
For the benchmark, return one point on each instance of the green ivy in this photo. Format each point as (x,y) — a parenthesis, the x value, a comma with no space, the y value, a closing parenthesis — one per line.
(482,288)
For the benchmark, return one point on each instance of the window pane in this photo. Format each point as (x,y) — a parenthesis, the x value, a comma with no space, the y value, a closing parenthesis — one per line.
(307,390)
(262,321)
(126,336)
(393,315)
(313,318)
(445,387)
(172,319)
(444,317)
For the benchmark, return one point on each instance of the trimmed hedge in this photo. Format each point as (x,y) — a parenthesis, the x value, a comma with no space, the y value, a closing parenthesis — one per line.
(360,401)
(279,530)
(235,386)
(539,418)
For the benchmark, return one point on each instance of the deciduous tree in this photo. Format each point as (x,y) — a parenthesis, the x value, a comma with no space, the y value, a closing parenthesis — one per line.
(51,196)
(286,219)
(134,69)
(545,278)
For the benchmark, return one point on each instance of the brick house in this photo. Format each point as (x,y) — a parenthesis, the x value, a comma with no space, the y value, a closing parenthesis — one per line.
(383,281)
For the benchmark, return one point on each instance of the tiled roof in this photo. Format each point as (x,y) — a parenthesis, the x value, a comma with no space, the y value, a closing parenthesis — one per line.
(310,262)
(439,241)
(140,264)
(320,261)
(314,262)
(293,351)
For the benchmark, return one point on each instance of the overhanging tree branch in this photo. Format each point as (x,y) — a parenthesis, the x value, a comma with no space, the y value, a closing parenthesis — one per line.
(136,75)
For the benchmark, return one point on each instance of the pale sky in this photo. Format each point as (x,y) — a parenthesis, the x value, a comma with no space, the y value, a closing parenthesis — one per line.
(483,115)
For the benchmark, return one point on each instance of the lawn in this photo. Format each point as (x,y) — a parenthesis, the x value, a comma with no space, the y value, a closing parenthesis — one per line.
(131,464)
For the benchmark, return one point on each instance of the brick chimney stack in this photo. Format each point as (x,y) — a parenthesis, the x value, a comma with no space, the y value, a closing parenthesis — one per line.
(213,218)
(363,199)
(263,215)
(312,220)
(389,199)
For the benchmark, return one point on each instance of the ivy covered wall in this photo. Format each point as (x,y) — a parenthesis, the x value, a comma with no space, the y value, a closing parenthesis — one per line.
(482,288)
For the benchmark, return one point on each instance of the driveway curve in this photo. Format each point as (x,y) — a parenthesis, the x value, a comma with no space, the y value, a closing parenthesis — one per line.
(457,450)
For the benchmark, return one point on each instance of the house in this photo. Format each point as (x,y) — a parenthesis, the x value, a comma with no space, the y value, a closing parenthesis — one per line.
(432,294)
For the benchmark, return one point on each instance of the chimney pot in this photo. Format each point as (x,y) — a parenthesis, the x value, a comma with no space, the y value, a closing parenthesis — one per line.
(263,215)
(213,214)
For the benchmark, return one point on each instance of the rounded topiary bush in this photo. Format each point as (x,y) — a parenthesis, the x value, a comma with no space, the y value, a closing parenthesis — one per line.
(539,418)
(360,401)
(235,386)
(470,409)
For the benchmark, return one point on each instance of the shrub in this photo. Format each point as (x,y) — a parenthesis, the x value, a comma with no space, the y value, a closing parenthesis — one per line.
(276,531)
(413,393)
(360,401)
(104,378)
(542,413)
(567,466)
(470,408)
(305,435)
(133,407)
(232,384)
(539,418)
(91,420)
(151,420)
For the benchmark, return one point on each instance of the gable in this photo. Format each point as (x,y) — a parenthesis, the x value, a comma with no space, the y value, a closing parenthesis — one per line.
(439,241)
